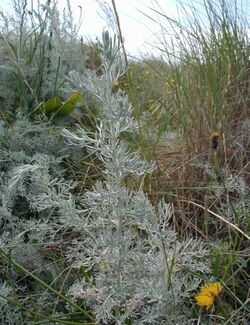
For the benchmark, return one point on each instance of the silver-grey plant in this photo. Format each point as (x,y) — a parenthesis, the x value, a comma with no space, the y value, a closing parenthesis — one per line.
(136,268)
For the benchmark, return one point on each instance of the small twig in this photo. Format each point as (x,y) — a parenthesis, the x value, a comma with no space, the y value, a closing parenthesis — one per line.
(120,32)
(219,217)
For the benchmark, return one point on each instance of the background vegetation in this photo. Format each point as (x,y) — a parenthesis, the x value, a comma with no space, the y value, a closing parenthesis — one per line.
(189,114)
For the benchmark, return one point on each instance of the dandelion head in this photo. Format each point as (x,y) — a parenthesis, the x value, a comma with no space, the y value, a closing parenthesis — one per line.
(208,294)
(215,137)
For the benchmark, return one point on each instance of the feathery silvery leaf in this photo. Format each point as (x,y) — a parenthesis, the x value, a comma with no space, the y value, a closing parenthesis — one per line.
(137,263)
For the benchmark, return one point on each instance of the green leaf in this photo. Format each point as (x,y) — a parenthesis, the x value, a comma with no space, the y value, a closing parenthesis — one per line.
(56,108)
(67,107)
(46,108)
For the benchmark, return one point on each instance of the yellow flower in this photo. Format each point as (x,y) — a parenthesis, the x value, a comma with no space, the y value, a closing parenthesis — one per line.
(208,294)
(171,83)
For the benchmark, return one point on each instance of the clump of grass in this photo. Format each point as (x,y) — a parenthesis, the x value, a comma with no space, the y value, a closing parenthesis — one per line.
(39,45)
(203,164)
(204,92)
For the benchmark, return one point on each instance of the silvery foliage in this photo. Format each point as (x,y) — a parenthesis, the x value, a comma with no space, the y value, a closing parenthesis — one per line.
(42,37)
(33,191)
(139,269)
(34,196)
(235,187)
(8,314)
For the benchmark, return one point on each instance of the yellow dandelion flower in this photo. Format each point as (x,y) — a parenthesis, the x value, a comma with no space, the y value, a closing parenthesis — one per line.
(208,294)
